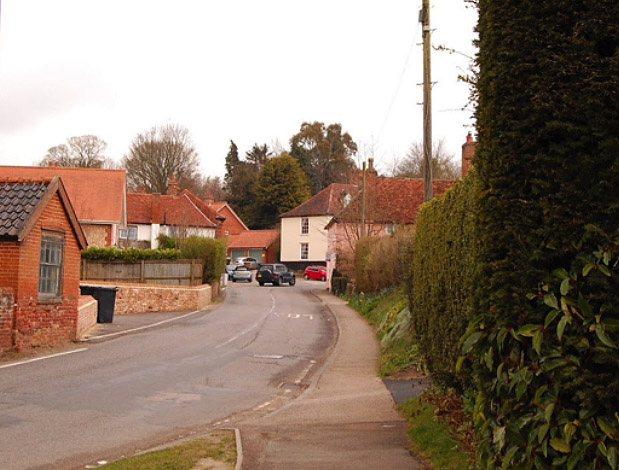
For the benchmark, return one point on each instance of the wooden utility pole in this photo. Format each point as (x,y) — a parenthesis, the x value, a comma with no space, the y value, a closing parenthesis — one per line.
(424,19)
(363,202)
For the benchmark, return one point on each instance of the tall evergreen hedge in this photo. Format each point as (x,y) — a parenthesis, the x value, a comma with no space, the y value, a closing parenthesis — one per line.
(441,279)
(546,295)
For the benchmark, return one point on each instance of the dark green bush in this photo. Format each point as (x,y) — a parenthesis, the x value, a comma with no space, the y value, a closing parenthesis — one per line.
(441,280)
(211,250)
(166,241)
(130,255)
(338,285)
(553,378)
(547,163)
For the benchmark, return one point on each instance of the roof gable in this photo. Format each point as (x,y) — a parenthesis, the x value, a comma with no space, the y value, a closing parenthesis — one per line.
(22,200)
(97,195)
(392,200)
(329,201)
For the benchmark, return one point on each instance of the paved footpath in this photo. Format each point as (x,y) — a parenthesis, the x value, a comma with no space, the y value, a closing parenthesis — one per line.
(345,420)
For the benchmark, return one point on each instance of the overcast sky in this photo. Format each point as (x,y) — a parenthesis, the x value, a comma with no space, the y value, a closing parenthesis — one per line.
(251,71)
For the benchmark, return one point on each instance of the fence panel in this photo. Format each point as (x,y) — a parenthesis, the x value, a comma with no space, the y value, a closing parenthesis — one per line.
(184,272)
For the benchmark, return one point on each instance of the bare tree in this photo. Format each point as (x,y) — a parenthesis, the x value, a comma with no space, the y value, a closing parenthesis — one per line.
(443,165)
(159,153)
(83,151)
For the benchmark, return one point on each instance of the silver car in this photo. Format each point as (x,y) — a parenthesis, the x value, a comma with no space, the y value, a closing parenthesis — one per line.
(241,273)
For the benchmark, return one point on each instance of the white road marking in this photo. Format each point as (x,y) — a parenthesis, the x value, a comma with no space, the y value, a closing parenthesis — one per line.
(162,322)
(42,358)
(294,315)
(251,327)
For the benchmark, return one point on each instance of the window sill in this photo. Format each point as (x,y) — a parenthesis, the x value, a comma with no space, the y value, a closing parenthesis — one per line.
(49,300)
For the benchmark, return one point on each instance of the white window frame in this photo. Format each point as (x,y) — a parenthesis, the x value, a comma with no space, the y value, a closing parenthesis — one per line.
(131,233)
(304,225)
(51,265)
(304,251)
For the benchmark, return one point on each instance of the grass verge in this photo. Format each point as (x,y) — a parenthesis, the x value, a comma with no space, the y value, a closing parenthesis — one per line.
(384,312)
(431,437)
(440,430)
(216,451)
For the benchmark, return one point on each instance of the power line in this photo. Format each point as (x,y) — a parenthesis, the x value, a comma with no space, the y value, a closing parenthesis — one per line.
(399,85)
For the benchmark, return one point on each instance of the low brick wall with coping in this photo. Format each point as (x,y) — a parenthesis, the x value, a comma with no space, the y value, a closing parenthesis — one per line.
(146,298)
(86,315)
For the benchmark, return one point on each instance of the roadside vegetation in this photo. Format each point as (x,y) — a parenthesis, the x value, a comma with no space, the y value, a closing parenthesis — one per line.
(217,451)
(513,273)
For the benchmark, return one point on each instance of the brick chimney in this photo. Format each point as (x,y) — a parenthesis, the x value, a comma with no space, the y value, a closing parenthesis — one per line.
(173,187)
(209,199)
(468,150)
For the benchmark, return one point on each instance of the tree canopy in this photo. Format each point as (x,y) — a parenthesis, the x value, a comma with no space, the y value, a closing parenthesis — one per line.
(443,164)
(157,154)
(82,151)
(281,186)
(324,153)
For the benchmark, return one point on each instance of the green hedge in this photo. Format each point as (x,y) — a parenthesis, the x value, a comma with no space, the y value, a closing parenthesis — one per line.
(211,250)
(338,285)
(547,163)
(441,279)
(128,254)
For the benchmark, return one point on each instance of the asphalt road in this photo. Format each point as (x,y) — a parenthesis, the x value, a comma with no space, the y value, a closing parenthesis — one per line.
(114,398)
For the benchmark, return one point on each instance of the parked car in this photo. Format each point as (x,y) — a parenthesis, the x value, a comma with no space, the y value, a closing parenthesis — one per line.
(275,274)
(241,273)
(229,269)
(250,263)
(315,272)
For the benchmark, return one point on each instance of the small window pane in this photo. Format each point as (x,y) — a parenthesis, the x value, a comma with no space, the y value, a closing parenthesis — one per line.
(50,270)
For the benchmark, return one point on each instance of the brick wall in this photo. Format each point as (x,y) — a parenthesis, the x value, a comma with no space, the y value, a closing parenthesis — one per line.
(53,322)
(140,298)
(6,318)
(86,315)
(230,225)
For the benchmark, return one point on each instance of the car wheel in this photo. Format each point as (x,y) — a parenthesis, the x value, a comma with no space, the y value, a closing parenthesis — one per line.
(261,284)
(306,277)
(292,281)
(233,279)
(323,278)
(276,283)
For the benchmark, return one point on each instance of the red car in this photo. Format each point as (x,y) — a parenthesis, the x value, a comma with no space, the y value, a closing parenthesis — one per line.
(316,272)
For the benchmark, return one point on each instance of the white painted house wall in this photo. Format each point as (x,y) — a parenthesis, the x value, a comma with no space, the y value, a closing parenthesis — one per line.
(292,238)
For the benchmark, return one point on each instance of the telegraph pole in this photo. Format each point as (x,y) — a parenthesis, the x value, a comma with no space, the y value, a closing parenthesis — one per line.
(424,19)
(363,201)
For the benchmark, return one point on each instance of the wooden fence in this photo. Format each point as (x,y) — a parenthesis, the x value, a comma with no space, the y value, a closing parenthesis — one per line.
(184,272)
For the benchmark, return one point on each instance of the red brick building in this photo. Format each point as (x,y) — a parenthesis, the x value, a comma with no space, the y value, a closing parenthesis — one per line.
(40,243)
(262,245)
(98,197)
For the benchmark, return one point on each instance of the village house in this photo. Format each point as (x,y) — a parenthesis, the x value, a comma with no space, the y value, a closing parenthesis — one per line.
(304,238)
(98,197)
(40,243)
(178,214)
(328,225)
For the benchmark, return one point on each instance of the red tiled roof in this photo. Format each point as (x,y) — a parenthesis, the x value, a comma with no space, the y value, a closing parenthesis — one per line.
(22,198)
(326,202)
(393,200)
(180,210)
(254,239)
(97,195)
